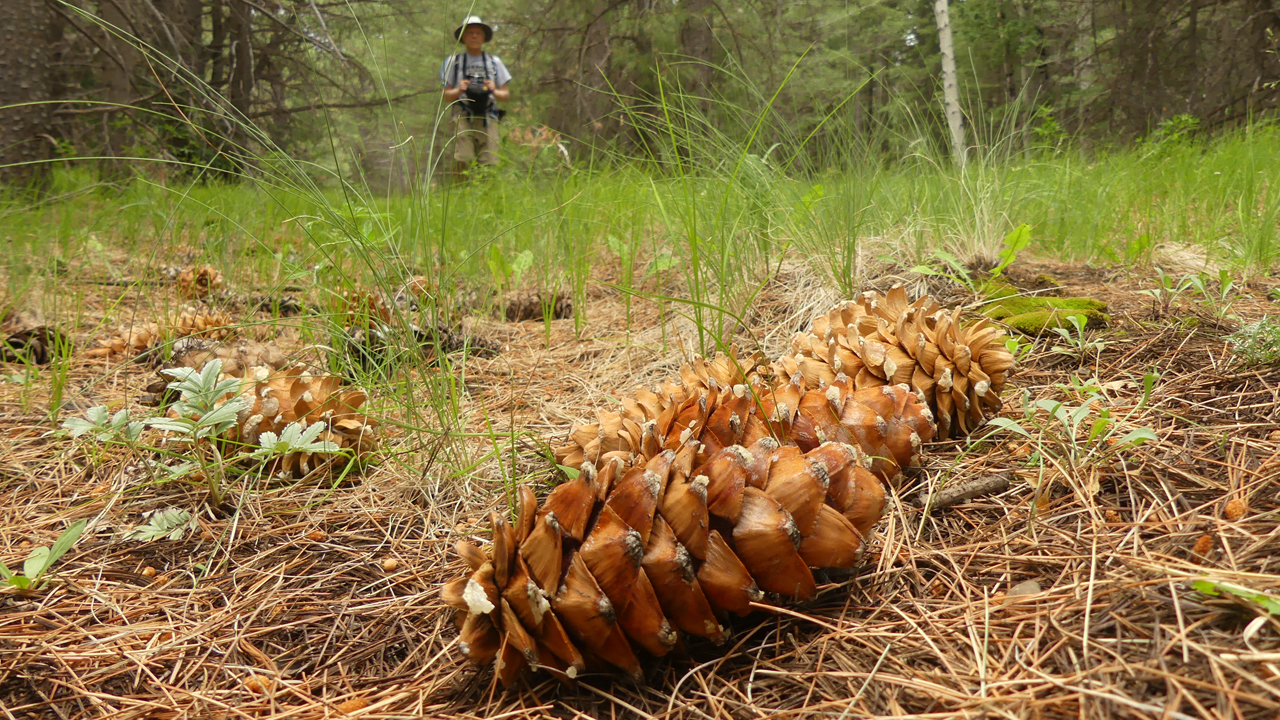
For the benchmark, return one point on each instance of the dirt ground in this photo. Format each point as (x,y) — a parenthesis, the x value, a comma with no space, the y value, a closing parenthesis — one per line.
(1060,597)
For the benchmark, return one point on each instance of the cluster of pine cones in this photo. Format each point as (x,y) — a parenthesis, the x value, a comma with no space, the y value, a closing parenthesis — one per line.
(698,498)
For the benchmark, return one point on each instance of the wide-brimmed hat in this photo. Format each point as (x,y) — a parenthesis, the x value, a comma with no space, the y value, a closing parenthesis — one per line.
(474,20)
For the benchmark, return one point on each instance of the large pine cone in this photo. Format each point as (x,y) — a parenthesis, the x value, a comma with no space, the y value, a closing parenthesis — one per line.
(880,340)
(712,513)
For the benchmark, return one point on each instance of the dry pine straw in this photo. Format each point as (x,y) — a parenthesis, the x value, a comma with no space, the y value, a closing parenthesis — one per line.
(315,600)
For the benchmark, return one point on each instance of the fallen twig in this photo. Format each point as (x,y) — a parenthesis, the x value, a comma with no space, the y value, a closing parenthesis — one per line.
(956,494)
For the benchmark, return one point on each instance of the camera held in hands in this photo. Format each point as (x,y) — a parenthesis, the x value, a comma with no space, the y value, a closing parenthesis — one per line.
(475,99)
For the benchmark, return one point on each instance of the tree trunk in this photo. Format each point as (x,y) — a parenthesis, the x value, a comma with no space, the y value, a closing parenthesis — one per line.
(950,89)
(240,90)
(218,45)
(119,58)
(24,64)
(695,44)
(242,74)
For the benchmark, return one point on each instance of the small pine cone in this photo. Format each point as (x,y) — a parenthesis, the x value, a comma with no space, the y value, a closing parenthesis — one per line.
(523,306)
(203,322)
(195,352)
(449,340)
(274,398)
(199,281)
(887,423)
(618,561)
(37,345)
(417,291)
(363,309)
(880,340)
(137,339)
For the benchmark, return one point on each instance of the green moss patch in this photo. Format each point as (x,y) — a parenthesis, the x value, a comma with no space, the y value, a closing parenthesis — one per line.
(1036,315)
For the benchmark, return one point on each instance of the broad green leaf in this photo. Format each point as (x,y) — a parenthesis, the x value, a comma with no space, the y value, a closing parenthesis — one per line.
(1210,587)
(5,572)
(660,262)
(78,426)
(178,425)
(64,543)
(568,471)
(20,582)
(616,246)
(1099,426)
(1137,437)
(1081,413)
(812,196)
(1016,240)
(520,264)
(37,562)
(1007,424)
(1148,384)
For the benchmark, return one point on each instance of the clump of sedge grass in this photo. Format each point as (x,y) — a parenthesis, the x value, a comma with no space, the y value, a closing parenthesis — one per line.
(1258,343)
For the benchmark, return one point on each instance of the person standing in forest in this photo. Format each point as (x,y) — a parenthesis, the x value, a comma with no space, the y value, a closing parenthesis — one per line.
(475,82)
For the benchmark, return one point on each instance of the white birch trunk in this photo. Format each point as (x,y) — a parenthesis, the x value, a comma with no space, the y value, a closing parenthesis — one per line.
(950,89)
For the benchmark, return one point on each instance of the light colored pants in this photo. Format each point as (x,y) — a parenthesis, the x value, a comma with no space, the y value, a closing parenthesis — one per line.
(474,137)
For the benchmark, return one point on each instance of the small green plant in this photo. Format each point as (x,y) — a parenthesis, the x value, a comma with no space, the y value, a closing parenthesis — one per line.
(1077,343)
(296,437)
(1019,348)
(59,372)
(1218,300)
(1172,131)
(958,273)
(171,523)
(41,560)
(1074,441)
(1258,343)
(202,416)
(955,270)
(1017,239)
(1048,132)
(105,427)
(1081,387)
(1166,291)
(509,274)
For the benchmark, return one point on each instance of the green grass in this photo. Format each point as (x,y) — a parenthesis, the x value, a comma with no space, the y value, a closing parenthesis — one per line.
(713,228)
(1216,196)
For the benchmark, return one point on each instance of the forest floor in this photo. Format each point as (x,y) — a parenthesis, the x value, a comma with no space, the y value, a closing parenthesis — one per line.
(1080,594)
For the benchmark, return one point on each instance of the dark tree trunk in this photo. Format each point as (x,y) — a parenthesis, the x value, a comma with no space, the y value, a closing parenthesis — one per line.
(218,45)
(696,40)
(25,29)
(119,58)
(241,91)
(185,19)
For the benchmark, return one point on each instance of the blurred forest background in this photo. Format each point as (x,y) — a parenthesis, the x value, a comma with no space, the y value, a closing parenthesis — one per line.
(351,86)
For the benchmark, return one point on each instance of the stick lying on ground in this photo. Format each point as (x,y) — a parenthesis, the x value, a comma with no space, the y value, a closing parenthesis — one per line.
(965,491)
